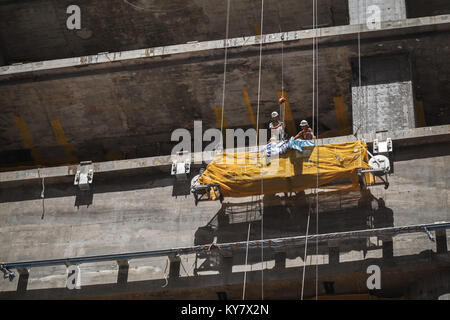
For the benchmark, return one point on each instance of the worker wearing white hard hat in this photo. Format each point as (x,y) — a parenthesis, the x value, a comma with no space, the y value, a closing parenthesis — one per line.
(276,127)
(306,132)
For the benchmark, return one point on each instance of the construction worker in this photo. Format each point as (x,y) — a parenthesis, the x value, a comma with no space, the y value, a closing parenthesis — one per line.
(276,127)
(306,132)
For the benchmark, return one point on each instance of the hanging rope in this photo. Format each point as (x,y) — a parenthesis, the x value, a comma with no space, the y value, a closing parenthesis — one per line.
(359,71)
(166,280)
(225,71)
(315,129)
(246,261)
(306,248)
(42,194)
(283,104)
(262,184)
(259,72)
(257,126)
(316,50)
(359,89)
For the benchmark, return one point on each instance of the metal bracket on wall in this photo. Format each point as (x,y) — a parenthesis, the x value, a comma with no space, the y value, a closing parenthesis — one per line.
(84,175)
(181,165)
(7,274)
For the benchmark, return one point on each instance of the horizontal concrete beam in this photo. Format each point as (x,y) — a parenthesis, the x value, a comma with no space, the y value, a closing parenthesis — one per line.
(238,246)
(321,33)
(401,137)
(416,266)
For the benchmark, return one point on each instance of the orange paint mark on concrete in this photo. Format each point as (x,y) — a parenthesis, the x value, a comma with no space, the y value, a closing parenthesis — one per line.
(256,26)
(251,116)
(420,114)
(341,113)
(111,156)
(218,114)
(62,140)
(27,139)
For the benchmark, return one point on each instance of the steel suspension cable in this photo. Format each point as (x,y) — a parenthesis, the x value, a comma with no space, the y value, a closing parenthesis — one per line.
(316,49)
(225,71)
(315,129)
(306,248)
(258,157)
(283,105)
(257,140)
(246,261)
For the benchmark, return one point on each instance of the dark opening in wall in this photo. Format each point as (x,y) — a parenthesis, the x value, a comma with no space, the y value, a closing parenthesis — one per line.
(421,8)
(329,287)
(222,296)
(15,156)
(381,69)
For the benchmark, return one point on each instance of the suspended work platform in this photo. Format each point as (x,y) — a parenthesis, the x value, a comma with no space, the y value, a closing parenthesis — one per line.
(243,174)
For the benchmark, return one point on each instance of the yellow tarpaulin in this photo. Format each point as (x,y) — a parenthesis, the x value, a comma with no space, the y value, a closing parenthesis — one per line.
(240,174)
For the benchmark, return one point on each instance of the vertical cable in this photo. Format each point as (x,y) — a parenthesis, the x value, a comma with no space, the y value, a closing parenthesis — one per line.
(42,194)
(361,121)
(259,73)
(225,70)
(306,248)
(318,159)
(257,125)
(257,146)
(313,63)
(283,105)
(246,260)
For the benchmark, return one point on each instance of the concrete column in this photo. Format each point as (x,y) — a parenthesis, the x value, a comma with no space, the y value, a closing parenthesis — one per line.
(441,241)
(122,275)
(174,268)
(226,268)
(333,253)
(280,260)
(390,10)
(23,280)
(388,248)
(384,101)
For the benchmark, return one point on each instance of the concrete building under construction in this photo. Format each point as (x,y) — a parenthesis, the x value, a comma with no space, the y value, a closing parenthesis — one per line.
(90,186)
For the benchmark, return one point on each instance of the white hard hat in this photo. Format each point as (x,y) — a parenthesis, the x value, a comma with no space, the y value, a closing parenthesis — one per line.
(303,123)
(274,114)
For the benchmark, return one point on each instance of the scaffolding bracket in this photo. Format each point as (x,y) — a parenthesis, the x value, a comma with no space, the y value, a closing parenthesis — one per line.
(7,274)
(84,175)
(181,165)
(430,236)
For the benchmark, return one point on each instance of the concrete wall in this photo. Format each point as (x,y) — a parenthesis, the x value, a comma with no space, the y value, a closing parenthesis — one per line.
(383,107)
(112,109)
(139,211)
(420,8)
(117,25)
(391,10)
(430,288)
(385,99)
